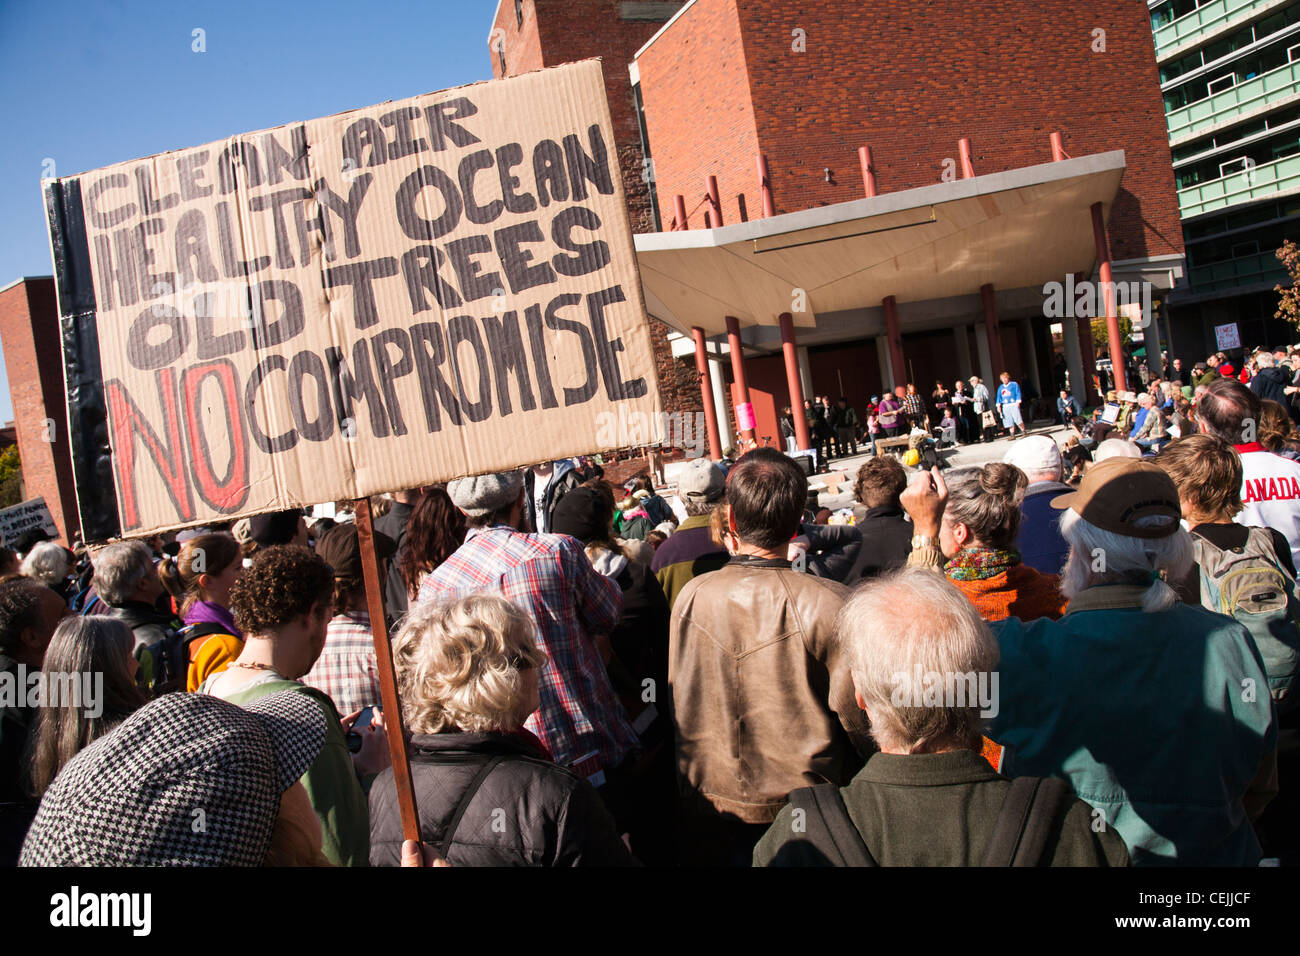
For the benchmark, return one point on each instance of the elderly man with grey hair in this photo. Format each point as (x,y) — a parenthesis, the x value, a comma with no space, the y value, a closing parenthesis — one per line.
(924,669)
(48,562)
(126,579)
(1039,541)
(1157,712)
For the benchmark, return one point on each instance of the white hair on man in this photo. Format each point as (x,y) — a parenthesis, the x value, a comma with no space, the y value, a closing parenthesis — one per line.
(119,569)
(1265,360)
(47,562)
(1038,457)
(902,628)
(1104,557)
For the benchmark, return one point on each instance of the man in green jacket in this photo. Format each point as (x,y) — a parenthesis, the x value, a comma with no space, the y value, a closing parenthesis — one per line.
(929,797)
(1157,712)
(283,603)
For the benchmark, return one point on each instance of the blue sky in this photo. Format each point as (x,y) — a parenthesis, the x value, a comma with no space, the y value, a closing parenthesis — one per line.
(85,84)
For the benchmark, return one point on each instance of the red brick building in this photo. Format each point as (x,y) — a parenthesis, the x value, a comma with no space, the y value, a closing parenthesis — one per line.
(804,85)
(33,355)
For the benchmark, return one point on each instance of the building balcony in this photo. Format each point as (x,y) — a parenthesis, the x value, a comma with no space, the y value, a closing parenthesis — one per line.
(1251,270)
(1248,185)
(1192,29)
(1247,97)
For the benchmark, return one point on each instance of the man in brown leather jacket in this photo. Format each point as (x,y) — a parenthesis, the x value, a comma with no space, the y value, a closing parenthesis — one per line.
(761,696)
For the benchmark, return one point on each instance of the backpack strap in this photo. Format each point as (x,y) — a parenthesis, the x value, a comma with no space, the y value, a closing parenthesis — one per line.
(1026,820)
(829,827)
(484,769)
(1260,541)
(195,632)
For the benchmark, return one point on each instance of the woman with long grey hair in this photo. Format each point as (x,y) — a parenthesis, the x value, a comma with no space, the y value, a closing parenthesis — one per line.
(88,689)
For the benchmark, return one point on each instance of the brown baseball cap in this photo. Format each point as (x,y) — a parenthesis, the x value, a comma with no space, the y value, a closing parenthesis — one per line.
(1116,492)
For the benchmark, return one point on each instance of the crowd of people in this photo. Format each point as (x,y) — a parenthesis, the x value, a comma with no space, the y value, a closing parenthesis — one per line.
(965,414)
(1072,656)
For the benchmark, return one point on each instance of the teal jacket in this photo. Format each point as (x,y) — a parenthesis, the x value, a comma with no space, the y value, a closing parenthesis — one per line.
(1162,722)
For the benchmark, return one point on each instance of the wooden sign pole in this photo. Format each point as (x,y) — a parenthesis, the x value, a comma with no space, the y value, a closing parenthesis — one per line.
(387,675)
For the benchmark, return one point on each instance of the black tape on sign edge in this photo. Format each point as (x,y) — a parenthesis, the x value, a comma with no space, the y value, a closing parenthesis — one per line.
(92,463)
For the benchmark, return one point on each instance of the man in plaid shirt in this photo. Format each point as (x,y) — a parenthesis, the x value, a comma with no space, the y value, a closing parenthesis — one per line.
(347,669)
(580,720)
(914,407)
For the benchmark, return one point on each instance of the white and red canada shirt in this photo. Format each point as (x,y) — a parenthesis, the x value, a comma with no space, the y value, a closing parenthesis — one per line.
(1271,493)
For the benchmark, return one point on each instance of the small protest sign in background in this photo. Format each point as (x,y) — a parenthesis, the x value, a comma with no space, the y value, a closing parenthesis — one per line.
(32,514)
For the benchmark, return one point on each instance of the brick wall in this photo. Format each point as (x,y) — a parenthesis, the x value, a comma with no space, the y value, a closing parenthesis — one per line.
(562,31)
(29,332)
(699,115)
(908,78)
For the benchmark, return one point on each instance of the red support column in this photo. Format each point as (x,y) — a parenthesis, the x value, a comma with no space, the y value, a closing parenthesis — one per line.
(868,171)
(706,393)
(963,150)
(990,303)
(765,187)
(744,410)
(1108,296)
(1058,147)
(789,350)
(679,211)
(894,334)
(715,204)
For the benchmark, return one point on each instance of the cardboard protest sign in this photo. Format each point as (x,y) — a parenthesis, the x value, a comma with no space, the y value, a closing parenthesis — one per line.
(21,518)
(430,288)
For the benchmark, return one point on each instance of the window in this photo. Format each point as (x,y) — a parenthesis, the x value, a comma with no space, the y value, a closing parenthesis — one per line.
(1241,249)
(1222,83)
(501,56)
(1286,148)
(519,12)
(1238,165)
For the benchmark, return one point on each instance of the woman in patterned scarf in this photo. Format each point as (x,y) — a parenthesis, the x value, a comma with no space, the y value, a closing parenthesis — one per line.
(978,535)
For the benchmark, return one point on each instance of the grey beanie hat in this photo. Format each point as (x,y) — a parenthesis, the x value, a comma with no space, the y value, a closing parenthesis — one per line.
(483,494)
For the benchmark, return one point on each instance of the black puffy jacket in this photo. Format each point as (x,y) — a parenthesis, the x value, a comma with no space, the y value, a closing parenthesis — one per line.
(1271,383)
(526,812)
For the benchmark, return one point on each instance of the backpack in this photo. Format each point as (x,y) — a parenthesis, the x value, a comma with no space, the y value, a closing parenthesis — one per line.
(1028,817)
(1250,586)
(168,665)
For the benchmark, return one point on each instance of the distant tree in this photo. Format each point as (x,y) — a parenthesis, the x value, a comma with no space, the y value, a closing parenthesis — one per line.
(11,477)
(1101,338)
(1288,306)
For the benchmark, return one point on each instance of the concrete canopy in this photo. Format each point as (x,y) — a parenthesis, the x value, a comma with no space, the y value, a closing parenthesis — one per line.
(1015,229)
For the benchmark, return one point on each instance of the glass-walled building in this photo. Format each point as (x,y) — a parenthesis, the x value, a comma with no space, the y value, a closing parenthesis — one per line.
(1230,77)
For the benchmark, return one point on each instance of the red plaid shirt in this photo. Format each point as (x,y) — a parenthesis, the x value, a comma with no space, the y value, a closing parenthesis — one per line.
(549,576)
(346,669)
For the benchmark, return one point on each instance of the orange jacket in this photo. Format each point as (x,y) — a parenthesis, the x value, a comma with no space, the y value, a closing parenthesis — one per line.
(209,656)
(1020,591)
